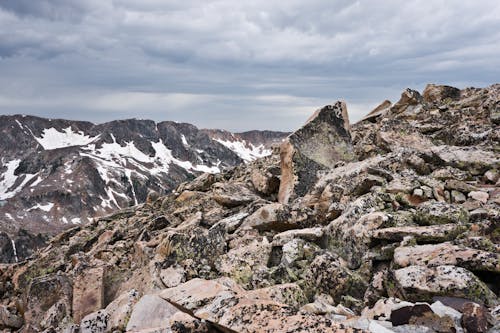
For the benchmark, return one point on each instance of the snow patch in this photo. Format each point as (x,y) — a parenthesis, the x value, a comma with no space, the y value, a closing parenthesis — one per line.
(45,208)
(8,179)
(76,220)
(15,250)
(246,151)
(184,141)
(53,139)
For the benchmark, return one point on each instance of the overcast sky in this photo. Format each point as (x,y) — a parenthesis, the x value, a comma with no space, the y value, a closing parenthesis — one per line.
(237,65)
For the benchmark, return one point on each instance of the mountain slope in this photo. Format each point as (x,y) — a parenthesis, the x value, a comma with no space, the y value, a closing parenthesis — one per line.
(56,173)
(388,225)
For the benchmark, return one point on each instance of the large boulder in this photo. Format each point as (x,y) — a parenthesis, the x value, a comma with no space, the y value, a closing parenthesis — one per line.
(88,292)
(151,313)
(320,144)
(434,93)
(421,283)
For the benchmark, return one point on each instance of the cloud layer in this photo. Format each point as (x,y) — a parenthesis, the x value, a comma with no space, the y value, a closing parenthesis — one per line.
(235,65)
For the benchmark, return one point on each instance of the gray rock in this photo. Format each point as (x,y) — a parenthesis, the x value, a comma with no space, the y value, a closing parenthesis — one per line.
(151,312)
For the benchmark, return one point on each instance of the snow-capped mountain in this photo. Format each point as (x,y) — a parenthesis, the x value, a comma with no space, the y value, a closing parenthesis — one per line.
(57,173)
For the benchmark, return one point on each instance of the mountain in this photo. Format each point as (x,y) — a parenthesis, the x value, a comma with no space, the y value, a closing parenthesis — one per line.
(57,173)
(391,224)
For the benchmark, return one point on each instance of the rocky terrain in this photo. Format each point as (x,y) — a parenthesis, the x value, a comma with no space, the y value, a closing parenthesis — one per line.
(57,173)
(388,225)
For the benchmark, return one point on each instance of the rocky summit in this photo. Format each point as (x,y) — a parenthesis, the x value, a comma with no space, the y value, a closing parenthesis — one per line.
(391,224)
(56,173)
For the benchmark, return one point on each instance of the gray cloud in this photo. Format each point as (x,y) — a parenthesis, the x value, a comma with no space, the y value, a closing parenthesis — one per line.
(261,64)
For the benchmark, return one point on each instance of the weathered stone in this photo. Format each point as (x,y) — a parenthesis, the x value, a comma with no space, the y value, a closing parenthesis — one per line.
(473,159)
(327,275)
(408,102)
(151,313)
(322,142)
(274,216)
(88,292)
(8,319)
(181,322)
(233,194)
(457,197)
(120,309)
(308,234)
(474,318)
(172,276)
(430,213)
(440,93)
(43,293)
(432,233)
(479,196)
(447,254)
(379,111)
(492,176)
(420,283)
(96,322)
(264,181)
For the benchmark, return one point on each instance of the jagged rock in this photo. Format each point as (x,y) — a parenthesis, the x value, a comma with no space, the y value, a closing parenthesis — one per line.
(422,283)
(408,103)
(232,195)
(96,322)
(327,274)
(274,216)
(432,233)
(492,176)
(151,313)
(181,322)
(474,318)
(322,142)
(474,160)
(379,111)
(447,254)
(43,293)
(120,309)
(265,181)
(9,320)
(438,93)
(430,213)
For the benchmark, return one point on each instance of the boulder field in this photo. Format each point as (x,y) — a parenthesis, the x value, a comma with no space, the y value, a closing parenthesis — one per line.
(391,224)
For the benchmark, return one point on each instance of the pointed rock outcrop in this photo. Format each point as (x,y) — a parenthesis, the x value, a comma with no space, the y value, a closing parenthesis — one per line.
(321,143)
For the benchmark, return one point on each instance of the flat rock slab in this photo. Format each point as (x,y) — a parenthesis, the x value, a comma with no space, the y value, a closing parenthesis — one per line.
(151,312)
(447,254)
(435,233)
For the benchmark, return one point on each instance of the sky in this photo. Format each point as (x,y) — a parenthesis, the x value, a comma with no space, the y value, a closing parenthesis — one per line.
(236,65)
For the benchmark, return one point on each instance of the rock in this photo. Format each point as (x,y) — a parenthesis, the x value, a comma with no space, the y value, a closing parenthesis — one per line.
(9,320)
(457,197)
(232,194)
(384,307)
(408,102)
(6,249)
(430,213)
(151,312)
(458,185)
(308,234)
(432,233)
(120,309)
(474,318)
(88,292)
(181,322)
(152,197)
(43,293)
(173,276)
(479,196)
(440,93)
(96,322)
(264,181)
(447,254)
(274,216)
(379,111)
(420,283)
(326,274)
(322,142)
(472,159)
(492,176)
